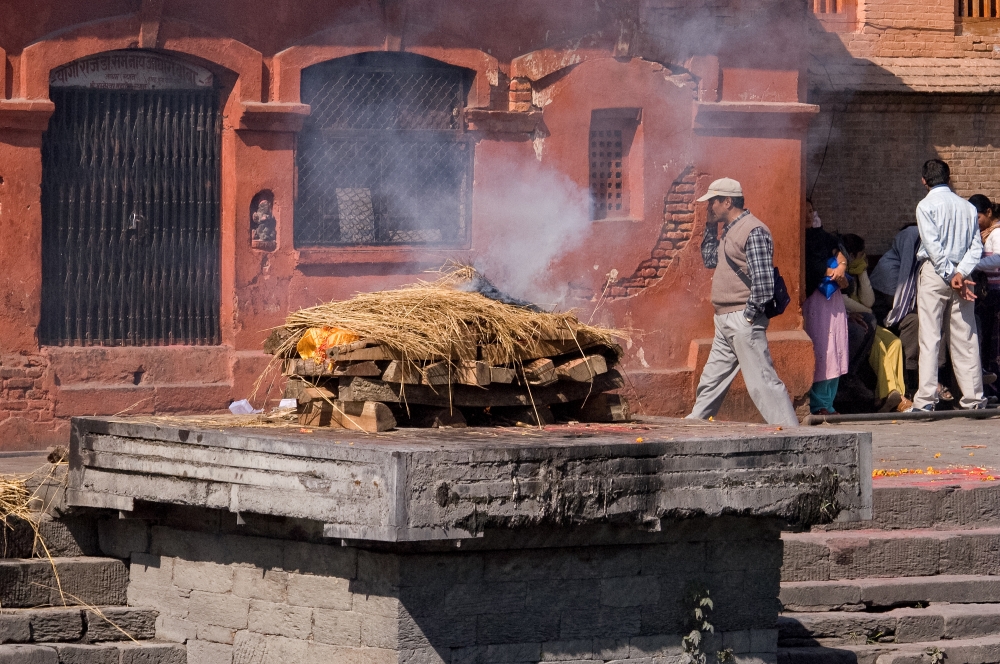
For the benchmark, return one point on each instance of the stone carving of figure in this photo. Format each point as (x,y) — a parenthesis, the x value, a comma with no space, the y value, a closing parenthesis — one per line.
(263,226)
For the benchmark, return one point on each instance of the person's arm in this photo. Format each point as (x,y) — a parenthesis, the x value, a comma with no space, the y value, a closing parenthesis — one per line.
(839,273)
(989,263)
(710,246)
(853,306)
(930,238)
(972,256)
(866,294)
(760,264)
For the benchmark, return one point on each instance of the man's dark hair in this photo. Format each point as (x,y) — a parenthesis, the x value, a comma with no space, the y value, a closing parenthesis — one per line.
(737,201)
(853,243)
(981,203)
(936,172)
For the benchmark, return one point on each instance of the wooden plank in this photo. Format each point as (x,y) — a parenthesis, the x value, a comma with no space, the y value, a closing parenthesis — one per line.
(315,394)
(370,416)
(402,371)
(540,372)
(473,373)
(536,415)
(373,353)
(438,373)
(582,369)
(309,368)
(316,414)
(364,368)
(503,375)
(605,408)
(367,389)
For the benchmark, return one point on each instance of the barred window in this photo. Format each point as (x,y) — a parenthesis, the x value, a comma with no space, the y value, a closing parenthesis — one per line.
(383,158)
(611,133)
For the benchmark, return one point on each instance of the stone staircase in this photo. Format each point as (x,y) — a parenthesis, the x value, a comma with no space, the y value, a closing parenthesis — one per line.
(918,584)
(70,608)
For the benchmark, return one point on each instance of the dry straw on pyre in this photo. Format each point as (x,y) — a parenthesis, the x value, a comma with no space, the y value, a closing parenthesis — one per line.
(435,319)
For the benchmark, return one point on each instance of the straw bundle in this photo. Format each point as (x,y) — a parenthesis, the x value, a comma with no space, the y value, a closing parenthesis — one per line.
(14,499)
(433,319)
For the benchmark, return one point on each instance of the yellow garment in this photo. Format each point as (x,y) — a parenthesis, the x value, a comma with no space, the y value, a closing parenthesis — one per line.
(315,341)
(886,360)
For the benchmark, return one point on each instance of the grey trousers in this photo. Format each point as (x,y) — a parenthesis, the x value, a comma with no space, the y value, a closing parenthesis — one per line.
(742,345)
(935,297)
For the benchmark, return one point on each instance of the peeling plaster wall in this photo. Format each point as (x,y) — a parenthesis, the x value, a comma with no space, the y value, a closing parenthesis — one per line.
(538,75)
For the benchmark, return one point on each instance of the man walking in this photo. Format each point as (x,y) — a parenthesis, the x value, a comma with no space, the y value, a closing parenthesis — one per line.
(950,247)
(743,283)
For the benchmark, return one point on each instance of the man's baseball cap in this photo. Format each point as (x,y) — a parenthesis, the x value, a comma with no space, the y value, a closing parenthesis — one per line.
(725,187)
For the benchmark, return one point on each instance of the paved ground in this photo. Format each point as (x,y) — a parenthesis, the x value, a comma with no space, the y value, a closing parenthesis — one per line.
(21,462)
(960,451)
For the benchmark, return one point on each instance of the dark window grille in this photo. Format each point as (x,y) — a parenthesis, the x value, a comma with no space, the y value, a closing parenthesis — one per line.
(606,170)
(130,218)
(383,158)
(978,8)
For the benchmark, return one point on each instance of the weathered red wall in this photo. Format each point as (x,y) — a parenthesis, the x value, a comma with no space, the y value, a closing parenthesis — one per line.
(719,87)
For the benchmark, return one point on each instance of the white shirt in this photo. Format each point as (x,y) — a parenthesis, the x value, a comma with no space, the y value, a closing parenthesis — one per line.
(949,232)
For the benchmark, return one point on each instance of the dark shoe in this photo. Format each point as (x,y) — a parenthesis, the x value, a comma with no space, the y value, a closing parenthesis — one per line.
(891,402)
(929,408)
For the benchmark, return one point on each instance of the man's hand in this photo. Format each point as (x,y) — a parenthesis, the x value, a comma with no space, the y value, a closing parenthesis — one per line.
(966,287)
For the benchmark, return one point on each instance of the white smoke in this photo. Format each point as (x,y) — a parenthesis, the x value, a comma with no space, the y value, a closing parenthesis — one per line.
(531,218)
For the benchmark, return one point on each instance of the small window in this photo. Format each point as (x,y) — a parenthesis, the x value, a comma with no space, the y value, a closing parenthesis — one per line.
(611,133)
(837,15)
(383,158)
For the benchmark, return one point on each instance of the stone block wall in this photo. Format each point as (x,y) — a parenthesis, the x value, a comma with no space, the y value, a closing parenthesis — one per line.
(512,598)
(870,178)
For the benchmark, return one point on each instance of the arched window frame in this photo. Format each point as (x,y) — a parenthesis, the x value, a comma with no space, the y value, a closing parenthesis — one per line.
(384,158)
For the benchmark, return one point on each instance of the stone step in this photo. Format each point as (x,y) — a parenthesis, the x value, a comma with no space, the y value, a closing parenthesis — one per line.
(68,624)
(65,536)
(30,583)
(906,625)
(861,594)
(982,650)
(125,652)
(961,505)
(857,554)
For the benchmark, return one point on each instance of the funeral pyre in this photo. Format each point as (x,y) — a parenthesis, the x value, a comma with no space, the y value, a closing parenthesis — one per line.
(451,352)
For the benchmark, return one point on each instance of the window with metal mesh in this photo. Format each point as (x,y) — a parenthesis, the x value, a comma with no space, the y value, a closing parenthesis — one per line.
(611,134)
(383,158)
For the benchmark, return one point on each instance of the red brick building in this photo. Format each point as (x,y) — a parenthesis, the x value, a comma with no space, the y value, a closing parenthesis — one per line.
(899,82)
(558,145)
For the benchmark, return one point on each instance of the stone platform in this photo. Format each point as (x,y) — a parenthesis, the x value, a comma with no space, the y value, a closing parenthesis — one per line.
(473,546)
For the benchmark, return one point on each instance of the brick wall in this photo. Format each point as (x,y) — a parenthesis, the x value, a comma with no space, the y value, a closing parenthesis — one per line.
(906,28)
(870,179)
(27,407)
(678,224)
(238,599)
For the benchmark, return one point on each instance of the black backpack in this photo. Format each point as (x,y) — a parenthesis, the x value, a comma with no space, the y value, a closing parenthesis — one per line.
(780,299)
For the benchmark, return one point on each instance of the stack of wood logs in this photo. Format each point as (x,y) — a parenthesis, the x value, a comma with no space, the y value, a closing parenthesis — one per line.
(366,386)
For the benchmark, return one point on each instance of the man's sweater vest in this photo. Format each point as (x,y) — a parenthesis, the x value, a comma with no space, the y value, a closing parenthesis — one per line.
(730,292)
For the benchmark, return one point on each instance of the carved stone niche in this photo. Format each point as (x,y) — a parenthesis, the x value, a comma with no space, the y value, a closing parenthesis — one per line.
(263,227)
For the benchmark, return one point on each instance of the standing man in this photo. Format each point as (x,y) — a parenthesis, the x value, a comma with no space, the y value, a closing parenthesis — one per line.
(743,283)
(950,247)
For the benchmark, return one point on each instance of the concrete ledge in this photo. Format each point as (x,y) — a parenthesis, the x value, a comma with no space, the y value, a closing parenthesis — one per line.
(425,484)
